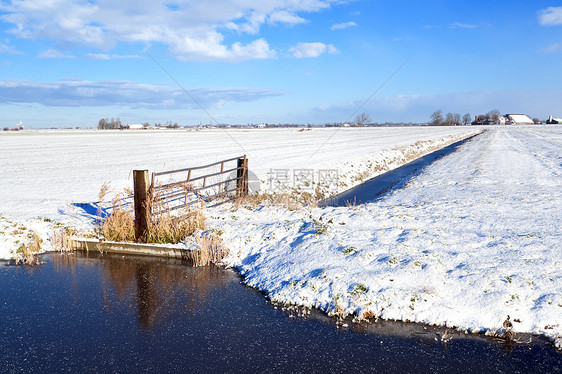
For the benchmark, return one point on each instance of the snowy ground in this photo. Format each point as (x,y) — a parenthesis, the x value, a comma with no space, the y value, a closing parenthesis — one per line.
(472,239)
(44,172)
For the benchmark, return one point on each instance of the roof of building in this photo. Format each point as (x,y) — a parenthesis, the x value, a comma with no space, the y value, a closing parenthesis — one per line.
(519,118)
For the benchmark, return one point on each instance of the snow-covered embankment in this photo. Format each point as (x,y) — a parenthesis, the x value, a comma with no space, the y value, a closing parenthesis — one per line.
(473,239)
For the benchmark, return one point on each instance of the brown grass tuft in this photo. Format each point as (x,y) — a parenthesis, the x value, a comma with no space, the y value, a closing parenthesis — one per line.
(26,253)
(119,226)
(292,200)
(210,250)
(368,315)
(61,239)
(166,228)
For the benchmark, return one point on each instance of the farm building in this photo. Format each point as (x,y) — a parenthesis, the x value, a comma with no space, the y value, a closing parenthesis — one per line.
(519,119)
(554,121)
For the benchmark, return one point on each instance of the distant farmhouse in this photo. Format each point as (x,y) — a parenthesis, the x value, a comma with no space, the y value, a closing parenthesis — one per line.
(517,119)
(554,121)
(19,127)
(508,119)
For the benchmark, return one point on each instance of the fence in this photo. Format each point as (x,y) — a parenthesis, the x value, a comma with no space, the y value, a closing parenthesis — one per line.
(205,184)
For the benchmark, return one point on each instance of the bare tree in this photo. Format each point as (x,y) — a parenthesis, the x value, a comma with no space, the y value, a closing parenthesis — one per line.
(437,118)
(457,118)
(449,119)
(466,119)
(102,123)
(494,115)
(362,119)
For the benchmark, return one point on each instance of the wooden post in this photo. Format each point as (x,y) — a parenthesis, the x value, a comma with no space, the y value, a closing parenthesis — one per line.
(242,177)
(143,214)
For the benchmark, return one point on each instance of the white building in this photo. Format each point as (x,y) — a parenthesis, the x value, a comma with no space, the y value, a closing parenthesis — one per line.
(554,121)
(520,119)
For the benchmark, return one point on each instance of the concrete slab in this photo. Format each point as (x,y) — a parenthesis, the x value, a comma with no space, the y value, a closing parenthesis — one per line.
(92,245)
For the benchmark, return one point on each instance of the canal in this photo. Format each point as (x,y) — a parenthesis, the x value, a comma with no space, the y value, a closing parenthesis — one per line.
(93,313)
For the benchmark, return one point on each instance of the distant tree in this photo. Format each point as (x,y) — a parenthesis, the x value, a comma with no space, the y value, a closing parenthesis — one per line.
(536,121)
(102,124)
(449,119)
(362,119)
(466,119)
(494,115)
(437,118)
(110,124)
(457,118)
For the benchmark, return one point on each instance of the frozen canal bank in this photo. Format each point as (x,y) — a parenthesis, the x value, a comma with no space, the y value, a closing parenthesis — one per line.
(473,239)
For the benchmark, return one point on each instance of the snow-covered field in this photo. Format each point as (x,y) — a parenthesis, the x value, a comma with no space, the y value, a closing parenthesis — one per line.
(475,237)
(44,172)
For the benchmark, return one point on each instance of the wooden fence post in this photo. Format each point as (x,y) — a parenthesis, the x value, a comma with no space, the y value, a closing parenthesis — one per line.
(143,214)
(242,175)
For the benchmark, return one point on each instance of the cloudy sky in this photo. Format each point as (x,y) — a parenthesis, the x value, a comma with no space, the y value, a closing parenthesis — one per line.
(70,63)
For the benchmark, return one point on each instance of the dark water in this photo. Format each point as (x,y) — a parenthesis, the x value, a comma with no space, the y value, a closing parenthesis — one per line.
(80,313)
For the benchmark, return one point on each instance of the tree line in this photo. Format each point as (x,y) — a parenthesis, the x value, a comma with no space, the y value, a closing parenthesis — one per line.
(455,119)
(115,124)
(110,124)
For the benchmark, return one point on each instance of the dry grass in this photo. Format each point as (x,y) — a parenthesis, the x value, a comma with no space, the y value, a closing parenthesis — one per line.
(26,254)
(119,226)
(104,191)
(166,228)
(172,229)
(210,250)
(61,240)
(292,200)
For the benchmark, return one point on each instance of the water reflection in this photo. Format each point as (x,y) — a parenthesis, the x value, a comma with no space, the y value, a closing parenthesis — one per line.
(156,287)
(87,312)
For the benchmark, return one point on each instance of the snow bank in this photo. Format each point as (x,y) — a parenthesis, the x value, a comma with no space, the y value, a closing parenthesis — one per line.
(473,239)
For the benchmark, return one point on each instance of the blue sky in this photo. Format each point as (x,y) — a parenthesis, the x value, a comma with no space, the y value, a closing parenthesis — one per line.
(70,63)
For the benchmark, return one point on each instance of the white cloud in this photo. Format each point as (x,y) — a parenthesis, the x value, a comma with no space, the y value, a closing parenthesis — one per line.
(73,93)
(53,53)
(98,56)
(192,30)
(551,16)
(5,47)
(341,26)
(553,48)
(125,56)
(285,17)
(310,50)
(459,25)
